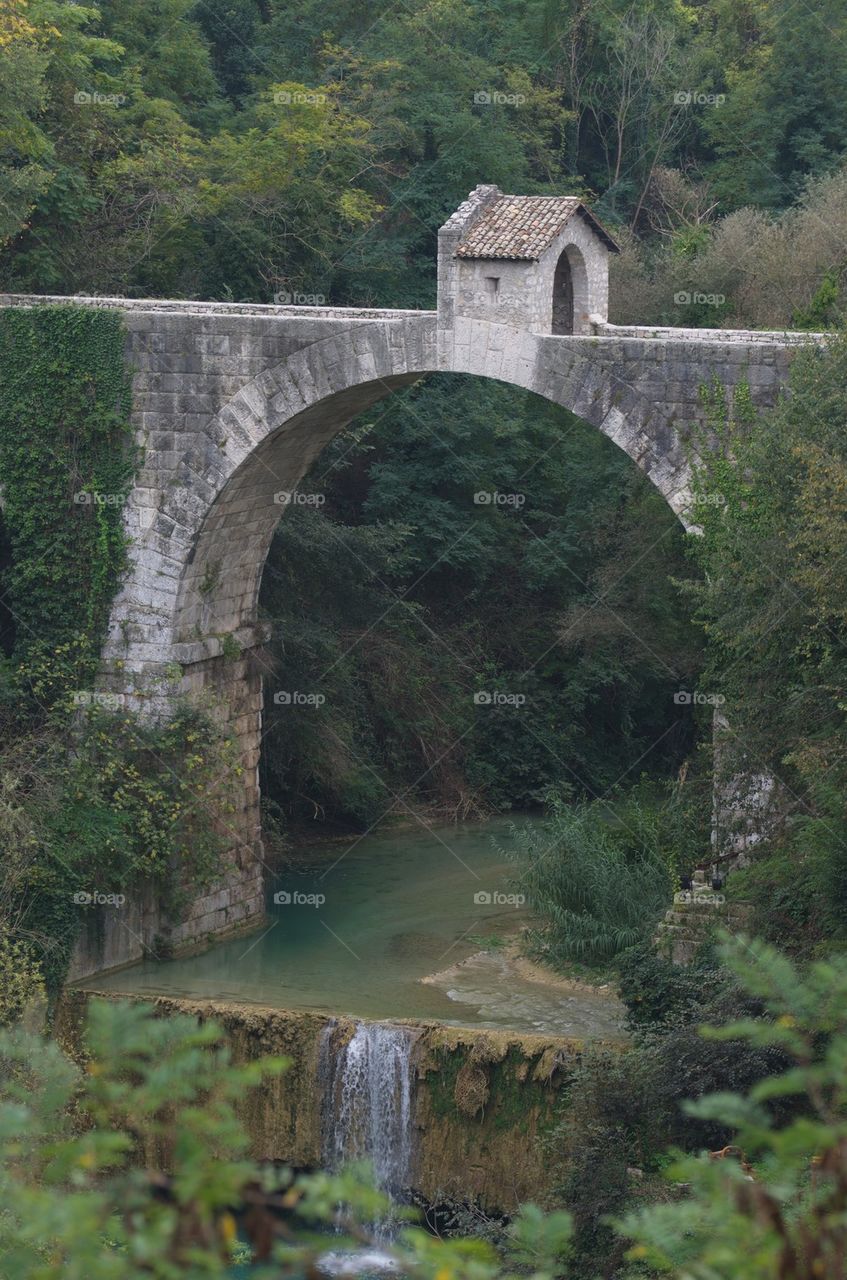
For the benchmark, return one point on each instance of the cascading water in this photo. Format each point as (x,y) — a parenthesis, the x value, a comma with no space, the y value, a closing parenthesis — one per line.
(368,1099)
(371,1104)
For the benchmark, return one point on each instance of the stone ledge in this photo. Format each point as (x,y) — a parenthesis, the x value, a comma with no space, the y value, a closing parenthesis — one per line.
(181,306)
(738,337)
(232,928)
(190,651)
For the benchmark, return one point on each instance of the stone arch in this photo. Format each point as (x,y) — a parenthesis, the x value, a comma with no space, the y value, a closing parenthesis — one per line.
(197,553)
(219,589)
(272,431)
(570,290)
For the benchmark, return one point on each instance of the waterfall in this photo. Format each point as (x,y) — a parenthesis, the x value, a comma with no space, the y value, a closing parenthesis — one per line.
(368,1101)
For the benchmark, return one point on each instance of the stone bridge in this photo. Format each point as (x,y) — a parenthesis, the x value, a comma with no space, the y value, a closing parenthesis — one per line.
(233,403)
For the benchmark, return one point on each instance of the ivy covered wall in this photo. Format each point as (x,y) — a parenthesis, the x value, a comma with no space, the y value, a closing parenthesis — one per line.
(93,801)
(66,463)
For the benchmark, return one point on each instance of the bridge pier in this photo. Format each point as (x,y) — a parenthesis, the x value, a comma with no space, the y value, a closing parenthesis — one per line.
(234,684)
(230,686)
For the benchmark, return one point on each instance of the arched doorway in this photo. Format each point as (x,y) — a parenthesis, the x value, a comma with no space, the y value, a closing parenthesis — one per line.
(569,291)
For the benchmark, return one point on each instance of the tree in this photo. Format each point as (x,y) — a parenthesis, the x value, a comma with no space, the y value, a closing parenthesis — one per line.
(23,145)
(401,595)
(784,111)
(773,1202)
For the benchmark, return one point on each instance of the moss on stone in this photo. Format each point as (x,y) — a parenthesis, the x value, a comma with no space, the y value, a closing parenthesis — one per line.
(483,1098)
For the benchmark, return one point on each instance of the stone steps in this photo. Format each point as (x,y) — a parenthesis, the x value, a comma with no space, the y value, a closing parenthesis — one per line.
(687,925)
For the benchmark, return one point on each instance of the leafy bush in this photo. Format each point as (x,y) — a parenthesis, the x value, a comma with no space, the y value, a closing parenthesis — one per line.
(777,1205)
(624,1107)
(101,800)
(607,1128)
(753,268)
(20,980)
(659,993)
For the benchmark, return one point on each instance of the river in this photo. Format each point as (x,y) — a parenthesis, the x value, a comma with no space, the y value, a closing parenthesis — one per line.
(412,923)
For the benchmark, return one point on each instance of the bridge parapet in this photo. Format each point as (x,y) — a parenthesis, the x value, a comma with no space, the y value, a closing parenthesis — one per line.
(766,337)
(197,307)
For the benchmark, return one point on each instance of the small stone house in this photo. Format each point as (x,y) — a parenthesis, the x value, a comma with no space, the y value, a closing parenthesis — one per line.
(534,262)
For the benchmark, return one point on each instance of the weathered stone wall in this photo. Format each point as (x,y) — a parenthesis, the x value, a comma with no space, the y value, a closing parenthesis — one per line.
(145,926)
(449,237)
(115,936)
(482,1100)
(524,294)
(235,684)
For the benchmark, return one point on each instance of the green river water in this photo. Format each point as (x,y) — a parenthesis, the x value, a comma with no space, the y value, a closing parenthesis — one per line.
(399,906)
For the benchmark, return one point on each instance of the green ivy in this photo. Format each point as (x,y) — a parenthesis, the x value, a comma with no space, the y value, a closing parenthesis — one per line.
(66,464)
(125,803)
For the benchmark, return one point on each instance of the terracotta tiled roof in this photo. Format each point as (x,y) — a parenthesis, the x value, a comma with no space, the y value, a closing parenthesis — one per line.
(524,226)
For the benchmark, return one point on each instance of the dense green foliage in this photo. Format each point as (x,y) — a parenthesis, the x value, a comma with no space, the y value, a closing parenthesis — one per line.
(776,1206)
(102,802)
(402,598)
(596,877)
(600,873)
(21,984)
(243,148)
(66,462)
(625,1109)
